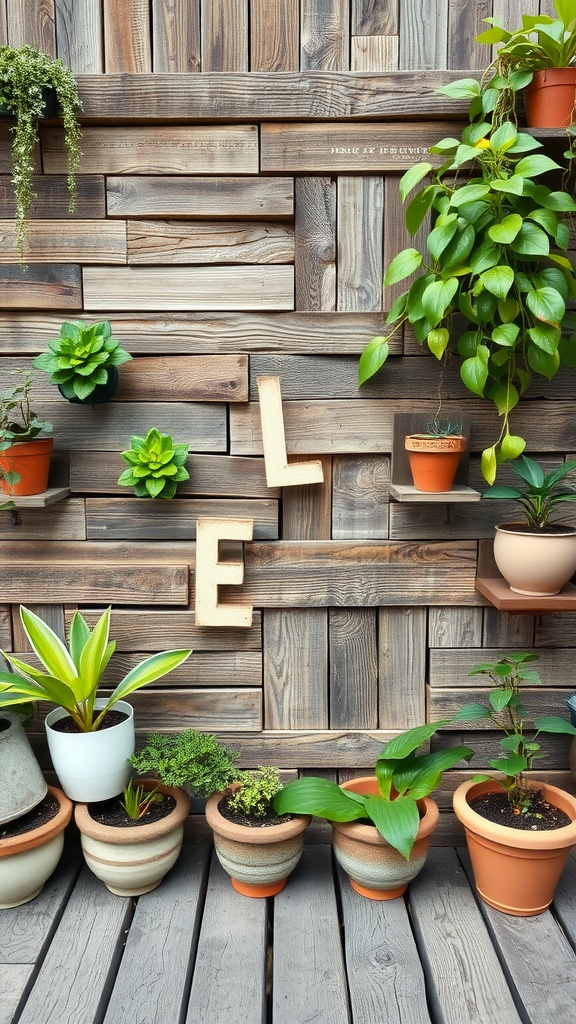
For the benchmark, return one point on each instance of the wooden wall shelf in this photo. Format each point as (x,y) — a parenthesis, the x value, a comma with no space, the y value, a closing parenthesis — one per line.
(497,591)
(48,497)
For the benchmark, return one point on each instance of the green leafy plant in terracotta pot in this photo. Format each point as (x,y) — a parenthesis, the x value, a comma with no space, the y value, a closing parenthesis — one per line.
(83,361)
(381,824)
(25,448)
(26,78)
(519,832)
(536,556)
(156,465)
(493,282)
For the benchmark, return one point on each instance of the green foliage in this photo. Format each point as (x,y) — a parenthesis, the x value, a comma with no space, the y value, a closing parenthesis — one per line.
(136,800)
(541,42)
(24,75)
(493,284)
(80,357)
(189,758)
(441,428)
(543,491)
(156,465)
(256,792)
(508,713)
(403,777)
(73,673)
(18,422)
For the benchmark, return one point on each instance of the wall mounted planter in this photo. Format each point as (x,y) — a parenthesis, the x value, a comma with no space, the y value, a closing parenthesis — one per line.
(434,460)
(534,564)
(101,393)
(31,460)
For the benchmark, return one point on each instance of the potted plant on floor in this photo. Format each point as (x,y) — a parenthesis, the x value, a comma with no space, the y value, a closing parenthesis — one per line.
(30,848)
(28,80)
(382,823)
(518,832)
(132,841)
(25,448)
(434,456)
(23,785)
(156,465)
(83,361)
(536,556)
(90,738)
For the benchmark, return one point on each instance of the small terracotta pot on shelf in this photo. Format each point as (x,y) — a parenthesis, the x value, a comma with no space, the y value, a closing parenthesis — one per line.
(434,460)
(550,98)
(31,460)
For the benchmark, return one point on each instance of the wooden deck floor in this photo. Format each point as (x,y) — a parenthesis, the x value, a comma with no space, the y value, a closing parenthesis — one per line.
(195,952)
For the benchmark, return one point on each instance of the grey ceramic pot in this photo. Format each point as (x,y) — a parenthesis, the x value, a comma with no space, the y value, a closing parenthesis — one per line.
(23,785)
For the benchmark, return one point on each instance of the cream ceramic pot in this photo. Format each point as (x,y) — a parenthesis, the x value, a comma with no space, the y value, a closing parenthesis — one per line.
(536,564)
(92,766)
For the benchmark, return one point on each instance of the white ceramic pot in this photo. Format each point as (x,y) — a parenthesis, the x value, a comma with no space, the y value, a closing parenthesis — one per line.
(536,564)
(23,785)
(133,860)
(28,860)
(92,766)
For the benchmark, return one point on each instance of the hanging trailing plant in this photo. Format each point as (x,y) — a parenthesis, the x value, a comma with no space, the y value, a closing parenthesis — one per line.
(25,76)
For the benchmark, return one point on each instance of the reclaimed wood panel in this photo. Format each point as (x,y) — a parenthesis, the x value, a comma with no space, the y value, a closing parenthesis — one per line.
(52,198)
(423,36)
(184,379)
(315,243)
(451,667)
(538,702)
(50,286)
(202,149)
(224,35)
(199,197)
(208,709)
(330,377)
(347,147)
(77,241)
(486,745)
(38,31)
(360,506)
(149,630)
(209,475)
(142,519)
(65,521)
(80,35)
(295,669)
(455,627)
(555,630)
(371,18)
(360,242)
(127,42)
(374,53)
(140,288)
(274,35)
(176,36)
(353,660)
(401,667)
(465,21)
(85,581)
(409,521)
(508,630)
(205,242)
(306,513)
(324,32)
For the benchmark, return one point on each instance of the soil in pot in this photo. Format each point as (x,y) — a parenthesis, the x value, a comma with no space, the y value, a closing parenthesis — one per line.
(239,818)
(540,815)
(39,815)
(111,812)
(68,725)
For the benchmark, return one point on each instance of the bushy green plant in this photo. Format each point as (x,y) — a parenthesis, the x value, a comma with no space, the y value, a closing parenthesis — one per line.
(256,791)
(136,800)
(495,258)
(72,674)
(25,74)
(156,465)
(403,777)
(189,758)
(542,493)
(79,359)
(541,42)
(506,710)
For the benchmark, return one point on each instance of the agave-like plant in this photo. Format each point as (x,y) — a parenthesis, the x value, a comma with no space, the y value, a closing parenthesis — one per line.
(80,358)
(72,675)
(156,465)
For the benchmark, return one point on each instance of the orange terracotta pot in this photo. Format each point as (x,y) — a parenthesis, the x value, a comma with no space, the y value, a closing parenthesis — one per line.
(550,98)
(31,460)
(258,860)
(515,871)
(434,461)
(375,869)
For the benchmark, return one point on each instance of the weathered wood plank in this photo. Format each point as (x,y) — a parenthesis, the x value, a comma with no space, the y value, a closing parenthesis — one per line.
(360,242)
(465,982)
(86,581)
(374,53)
(402,667)
(360,497)
(50,241)
(142,519)
(231,946)
(315,243)
(538,702)
(411,520)
(127,42)
(83,956)
(52,198)
(206,149)
(141,288)
(185,379)
(167,196)
(80,36)
(235,710)
(324,32)
(450,667)
(306,513)
(465,21)
(510,630)
(384,972)
(486,746)
(295,669)
(64,521)
(353,659)
(49,286)
(209,242)
(152,981)
(176,36)
(455,627)
(224,35)
(274,30)
(423,38)
(349,147)
(38,31)
(144,630)
(15,980)
(24,935)
(209,475)
(555,630)
(307,946)
(371,18)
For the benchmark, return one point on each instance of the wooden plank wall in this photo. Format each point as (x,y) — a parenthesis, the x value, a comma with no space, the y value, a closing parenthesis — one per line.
(232,226)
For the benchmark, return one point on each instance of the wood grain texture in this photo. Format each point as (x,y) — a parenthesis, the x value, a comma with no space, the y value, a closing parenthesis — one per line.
(374,53)
(327,376)
(465,21)
(204,242)
(353,668)
(510,630)
(455,627)
(324,34)
(401,667)
(315,243)
(204,149)
(127,42)
(274,36)
(64,521)
(85,581)
(360,242)
(50,286)
(141,288)
(80,36)
(224,35)
(295,669)
(445,703)
(199,197)
(306,513)
(450,666)
(209,475)
(176,36)
(184,379)
(60,241)
(231,710)
(142,519)
(23,937)
(38,31)
(372,18)
(423,42)
(145,630)
(52,198)
(360,497)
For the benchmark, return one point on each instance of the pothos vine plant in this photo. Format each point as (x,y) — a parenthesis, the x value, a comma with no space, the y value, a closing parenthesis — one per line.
(492,284)
(25,75)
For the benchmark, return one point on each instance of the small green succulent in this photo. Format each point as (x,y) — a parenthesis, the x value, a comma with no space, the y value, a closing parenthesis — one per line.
(156,465)
(79,359)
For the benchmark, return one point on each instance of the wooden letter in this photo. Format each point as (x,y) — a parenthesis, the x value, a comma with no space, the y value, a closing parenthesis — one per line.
(210,572)
(278,472)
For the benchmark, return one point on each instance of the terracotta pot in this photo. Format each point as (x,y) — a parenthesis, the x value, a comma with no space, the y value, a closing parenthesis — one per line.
(537,564)
(92,766)
(133,860)
(258,860)
(515,871)
(27,861)
(434,460)
(31,460)
(375,869)
(550,98)
(23,785)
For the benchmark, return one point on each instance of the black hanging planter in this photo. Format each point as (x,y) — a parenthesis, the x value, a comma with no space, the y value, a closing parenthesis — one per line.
(51,107)
(101,393)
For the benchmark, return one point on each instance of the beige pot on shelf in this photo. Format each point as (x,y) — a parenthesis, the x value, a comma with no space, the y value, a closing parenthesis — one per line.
(535,564)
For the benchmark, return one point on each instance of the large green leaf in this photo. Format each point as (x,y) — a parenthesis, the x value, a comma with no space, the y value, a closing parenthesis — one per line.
(148,671)
(437,298)
(49,647)
(442,235)
(94,658)
(310,795)
(474,371)
(552,723)
(535,164)
(397,820)
(373,357)
(506,231)
(413,177)
(546,304)
(531,241)
(404,264)
(498,280)
(409,741)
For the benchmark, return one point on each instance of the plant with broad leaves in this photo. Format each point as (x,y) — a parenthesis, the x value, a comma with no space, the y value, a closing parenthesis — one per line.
(495,259)
(404,777)
(542,493)
(542,42)
(156,465)
(507,712)
(80,358)
(72,674)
